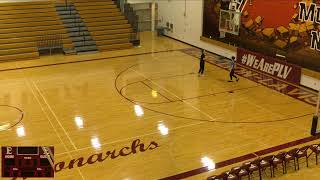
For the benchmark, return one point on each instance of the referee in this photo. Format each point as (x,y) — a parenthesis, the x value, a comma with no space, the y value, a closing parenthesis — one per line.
(233,66)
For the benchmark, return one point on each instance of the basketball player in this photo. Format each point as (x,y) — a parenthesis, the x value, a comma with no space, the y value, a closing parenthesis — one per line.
(201,70)
(233,66)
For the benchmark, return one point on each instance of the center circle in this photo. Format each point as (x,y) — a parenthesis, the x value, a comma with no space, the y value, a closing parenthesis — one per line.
(9,116)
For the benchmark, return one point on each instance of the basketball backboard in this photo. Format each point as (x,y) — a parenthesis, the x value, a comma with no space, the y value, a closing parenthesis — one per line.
(229,22)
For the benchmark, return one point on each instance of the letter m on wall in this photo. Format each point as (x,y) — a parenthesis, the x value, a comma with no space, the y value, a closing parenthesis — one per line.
(315,40)
(306,13)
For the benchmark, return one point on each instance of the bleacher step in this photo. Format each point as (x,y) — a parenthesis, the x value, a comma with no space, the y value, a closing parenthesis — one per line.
(96,18)
(70,21)
(17,45)
(17,51)
(109,27)
(76,29)
(88,52)
(64,8)
(86,48)
(107,23)
(73,25)
(22,56)
(82,38)
(89,3)
(73,12)
(77,34)
(69,51)
(84,43)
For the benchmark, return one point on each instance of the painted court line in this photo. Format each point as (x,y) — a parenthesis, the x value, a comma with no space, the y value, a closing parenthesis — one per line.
(190,118)
(225,65)
(183,99)
(235,160)
(244,157)
(50,122)
(197,109)
(292,90)
(130,138)
(54,114)
(226,162)
(205,169)
(86,60)
(157,92)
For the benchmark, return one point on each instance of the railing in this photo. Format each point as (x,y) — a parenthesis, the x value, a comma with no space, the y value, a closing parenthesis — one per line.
(133,19)
(120,4)
(50,42)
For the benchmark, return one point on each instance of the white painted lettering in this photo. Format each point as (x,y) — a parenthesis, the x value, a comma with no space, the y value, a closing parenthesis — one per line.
(270,68)
(250,60)
(256,62)
(266,66)
(286,72)
(9,150)
(276,68)
(260,66)
(9,156)
(280,71)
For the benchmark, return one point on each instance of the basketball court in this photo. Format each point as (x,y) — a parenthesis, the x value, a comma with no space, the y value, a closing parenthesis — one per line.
(144,113)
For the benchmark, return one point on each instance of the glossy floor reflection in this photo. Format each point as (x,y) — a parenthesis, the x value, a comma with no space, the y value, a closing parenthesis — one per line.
(144,115)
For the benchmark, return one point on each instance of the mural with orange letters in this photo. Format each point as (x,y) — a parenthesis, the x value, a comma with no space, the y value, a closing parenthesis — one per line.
(290,28)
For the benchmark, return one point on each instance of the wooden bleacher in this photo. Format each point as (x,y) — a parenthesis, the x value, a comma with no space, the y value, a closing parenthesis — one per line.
(107,26)
(23,24)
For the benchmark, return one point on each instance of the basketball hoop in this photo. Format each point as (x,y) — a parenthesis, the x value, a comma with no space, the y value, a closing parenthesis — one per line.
(229,22)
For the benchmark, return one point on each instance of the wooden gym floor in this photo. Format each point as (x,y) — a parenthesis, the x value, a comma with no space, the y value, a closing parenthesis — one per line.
(143,113)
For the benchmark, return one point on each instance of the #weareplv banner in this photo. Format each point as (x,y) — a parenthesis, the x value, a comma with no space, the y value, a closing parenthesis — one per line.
(268,65)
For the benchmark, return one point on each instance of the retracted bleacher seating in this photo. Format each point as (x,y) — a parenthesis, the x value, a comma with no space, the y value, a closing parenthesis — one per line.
(108,27)
(22,24)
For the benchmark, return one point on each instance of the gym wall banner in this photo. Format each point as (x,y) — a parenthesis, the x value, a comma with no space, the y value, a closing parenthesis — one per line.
(287,27)
(268,65)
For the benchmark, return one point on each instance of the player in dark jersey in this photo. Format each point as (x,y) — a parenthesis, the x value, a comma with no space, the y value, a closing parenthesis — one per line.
(202,57)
